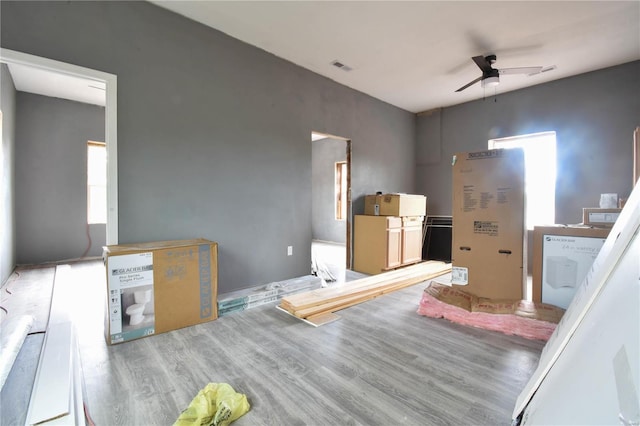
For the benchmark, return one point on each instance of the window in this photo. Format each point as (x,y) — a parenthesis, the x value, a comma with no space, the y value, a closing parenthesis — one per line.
(540,174)
(341,190)
(96,182)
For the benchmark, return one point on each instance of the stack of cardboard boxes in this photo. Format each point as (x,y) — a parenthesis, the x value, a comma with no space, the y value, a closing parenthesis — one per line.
(389,234)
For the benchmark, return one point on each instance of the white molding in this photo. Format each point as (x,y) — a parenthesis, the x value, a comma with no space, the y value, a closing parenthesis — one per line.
(111,121)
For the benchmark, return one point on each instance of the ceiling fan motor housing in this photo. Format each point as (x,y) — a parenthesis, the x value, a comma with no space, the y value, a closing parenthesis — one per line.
(490,78)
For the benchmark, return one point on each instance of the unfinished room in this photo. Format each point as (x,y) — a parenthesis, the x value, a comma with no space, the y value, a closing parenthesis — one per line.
(319,213)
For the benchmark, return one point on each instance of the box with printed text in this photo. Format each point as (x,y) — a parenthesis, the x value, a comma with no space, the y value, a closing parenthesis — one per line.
(158,287)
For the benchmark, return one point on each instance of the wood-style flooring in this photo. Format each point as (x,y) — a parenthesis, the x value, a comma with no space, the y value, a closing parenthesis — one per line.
(380,364)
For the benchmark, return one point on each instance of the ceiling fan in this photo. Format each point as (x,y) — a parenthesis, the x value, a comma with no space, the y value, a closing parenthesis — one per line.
(491,76)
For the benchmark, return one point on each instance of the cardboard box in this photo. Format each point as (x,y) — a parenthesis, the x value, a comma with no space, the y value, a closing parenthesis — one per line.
(488,223)
(562,257)
(594,216)
(395,205)
(177,279)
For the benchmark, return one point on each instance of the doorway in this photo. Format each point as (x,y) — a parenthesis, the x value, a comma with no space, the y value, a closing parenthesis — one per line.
(331,206)
(109,82)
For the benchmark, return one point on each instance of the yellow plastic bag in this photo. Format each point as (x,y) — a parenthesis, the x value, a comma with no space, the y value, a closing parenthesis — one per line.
(215,405)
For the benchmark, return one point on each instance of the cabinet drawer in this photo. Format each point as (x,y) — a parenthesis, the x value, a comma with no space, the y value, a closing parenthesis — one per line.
(412,220)
(393,222)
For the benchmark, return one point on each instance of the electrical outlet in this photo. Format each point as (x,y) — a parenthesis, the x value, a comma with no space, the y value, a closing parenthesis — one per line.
(289,250)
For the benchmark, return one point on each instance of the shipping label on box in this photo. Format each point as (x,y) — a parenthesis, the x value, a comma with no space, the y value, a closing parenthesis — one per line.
(484,227)
(459,275)
(565,262)
(130,283)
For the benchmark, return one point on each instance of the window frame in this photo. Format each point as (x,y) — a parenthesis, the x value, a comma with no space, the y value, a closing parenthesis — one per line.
(340,190)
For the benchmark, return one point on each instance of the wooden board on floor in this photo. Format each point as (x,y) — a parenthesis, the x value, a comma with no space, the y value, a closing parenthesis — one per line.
(323,295)
(322,302)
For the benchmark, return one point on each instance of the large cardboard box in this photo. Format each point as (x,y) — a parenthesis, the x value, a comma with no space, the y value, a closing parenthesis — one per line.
(395,205)
(562,257)
(172,283)
(488,223)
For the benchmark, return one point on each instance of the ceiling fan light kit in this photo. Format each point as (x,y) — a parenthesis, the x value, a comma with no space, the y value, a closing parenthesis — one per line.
(490,81)
(491,76)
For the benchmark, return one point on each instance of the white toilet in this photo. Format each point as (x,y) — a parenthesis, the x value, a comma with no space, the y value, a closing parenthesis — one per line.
(135,311)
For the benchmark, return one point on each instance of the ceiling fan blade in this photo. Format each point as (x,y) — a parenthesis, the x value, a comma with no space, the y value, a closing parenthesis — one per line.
(520,70)
(469,84)
(544,69)
(482,63)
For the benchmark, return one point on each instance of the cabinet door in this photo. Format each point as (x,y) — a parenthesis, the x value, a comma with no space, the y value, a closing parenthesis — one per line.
(411,244)
(394,247)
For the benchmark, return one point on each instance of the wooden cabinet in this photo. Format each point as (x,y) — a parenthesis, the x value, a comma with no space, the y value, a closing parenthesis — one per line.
(386,242)
(393,247)
(411,239)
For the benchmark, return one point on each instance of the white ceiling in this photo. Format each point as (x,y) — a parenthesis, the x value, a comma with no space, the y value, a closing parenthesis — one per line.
(412,54)
(57,85)
(415,54)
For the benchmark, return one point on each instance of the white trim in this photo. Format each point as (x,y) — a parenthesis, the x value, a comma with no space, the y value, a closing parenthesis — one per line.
(111,121)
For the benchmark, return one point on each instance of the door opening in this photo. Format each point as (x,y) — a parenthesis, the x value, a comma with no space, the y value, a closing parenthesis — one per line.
(110,84)
(331,203)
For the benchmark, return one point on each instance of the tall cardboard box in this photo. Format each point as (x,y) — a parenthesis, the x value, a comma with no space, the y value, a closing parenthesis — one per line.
(488,223)
(562,257)
(173,284)
(395,205)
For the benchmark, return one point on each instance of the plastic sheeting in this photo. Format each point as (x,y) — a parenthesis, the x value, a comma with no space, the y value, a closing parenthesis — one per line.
(518,317)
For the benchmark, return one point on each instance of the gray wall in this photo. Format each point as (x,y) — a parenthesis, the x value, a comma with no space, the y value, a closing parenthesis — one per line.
(593,114)
(7,191)
(213,134)
(326,153)
(51,178)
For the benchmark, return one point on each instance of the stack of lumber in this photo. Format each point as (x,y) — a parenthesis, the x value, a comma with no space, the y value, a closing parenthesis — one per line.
(317,306)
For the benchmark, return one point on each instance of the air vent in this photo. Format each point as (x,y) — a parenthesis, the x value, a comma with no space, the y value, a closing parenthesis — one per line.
(340,65)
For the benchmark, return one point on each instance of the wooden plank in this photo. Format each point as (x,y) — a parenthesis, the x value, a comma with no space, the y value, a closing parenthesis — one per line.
(351,292)
(319,296)
(322,319)
(313,298)
(365,280)
(346,301)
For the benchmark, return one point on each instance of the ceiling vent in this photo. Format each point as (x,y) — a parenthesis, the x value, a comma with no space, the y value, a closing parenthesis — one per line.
(340,65)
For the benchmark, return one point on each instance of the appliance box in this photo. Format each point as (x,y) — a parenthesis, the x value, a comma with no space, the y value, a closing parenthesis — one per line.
(562,257)
(600,217)
(395,205)
(488,233)
(183,279)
